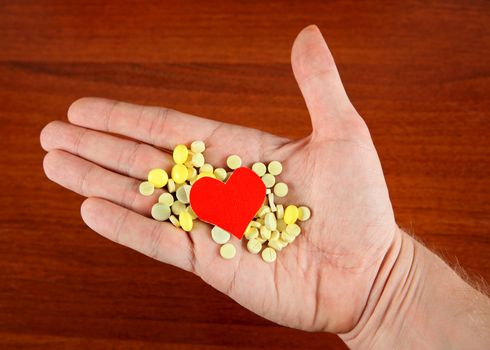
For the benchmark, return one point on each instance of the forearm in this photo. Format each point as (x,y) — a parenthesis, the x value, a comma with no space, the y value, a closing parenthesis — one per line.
(417,301)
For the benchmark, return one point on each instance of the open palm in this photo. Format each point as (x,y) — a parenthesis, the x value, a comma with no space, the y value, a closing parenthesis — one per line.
(319,282)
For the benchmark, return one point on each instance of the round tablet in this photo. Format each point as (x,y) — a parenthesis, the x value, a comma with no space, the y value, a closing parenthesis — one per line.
(146,188)
(180,154)
(177,207)
(234,162)
(182,193)
(281,189)
(270,221)
(269,180)
(275,244)
(227,251)
(259,168)
(254,246)
(171,186)
(206,168)
(304,213)
(265,233)
(198,160)
(219,235)
(179,173)
(220,174)
(158,177)
(160,212)
(293,229)
(285,236)
(192,173)
(269,254)
(166,198)
(198,146)
(185,221)
(252,233)
(274,167)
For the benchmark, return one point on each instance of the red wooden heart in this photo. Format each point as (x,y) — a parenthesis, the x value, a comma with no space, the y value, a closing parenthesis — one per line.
(231,205)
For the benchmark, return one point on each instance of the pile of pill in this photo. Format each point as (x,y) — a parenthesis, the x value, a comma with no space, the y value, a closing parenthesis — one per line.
(274,226)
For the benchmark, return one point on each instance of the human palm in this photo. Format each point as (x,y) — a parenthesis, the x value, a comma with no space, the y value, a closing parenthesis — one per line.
(319,282)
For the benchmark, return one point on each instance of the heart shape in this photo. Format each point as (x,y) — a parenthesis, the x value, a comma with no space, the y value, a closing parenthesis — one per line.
(231,205)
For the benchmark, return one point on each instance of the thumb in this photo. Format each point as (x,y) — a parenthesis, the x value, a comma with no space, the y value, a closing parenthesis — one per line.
(319,82)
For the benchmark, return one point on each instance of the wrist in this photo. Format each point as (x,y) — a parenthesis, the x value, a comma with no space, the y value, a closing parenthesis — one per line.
(418,301)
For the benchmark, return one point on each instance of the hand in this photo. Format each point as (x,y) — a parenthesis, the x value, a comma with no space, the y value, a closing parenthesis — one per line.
(321,281)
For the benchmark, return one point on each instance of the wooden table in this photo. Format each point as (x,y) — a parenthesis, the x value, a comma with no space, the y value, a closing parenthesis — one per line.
(417,71)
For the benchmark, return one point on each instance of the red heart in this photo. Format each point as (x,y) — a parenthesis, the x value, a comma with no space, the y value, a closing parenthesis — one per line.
(231,205)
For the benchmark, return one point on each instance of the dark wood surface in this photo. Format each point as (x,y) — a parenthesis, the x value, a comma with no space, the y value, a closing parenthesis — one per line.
(418,72)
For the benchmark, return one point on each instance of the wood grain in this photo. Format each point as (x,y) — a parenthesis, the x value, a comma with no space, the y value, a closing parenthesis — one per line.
(418,72)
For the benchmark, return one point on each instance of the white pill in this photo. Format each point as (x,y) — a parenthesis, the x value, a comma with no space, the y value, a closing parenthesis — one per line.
(220,174)
(293,229)
(270,221)
(146,188)
(182,194)
(253,232)
(304,213)
(259,168)
(160,212)
(269,180)
(279,211)
(177,207)
(174,220)
(254,246)
(206,168)
(227,251)
(198,146)
(274,167)
(198,160)
(234,162)
(269,254)
(171,186)
(272,205)
(219,235)
(265,233)
(281,189)
(166,198)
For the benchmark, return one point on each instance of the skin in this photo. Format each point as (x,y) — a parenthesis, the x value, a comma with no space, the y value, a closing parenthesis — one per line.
(332,274)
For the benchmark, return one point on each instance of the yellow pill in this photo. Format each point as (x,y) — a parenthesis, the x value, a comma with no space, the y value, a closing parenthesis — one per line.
(160,212)
(227,251)
(290,214)
(265,233)
(178,207)
(252,233)
(185,221)
(269,180)
(198,146)
(254,246)
(234,162)
(269,255)
(206,168)
(274,168)
(304,213)
(171,186)
(270,221)
(158,177)
(279,211)
(219,235)
(293,229)
(182,193)
(220,174)
(166,198)
(259,168)
(179,173)
(146,188)
(198,160)
(281,189)
(174,221)
(180,154)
